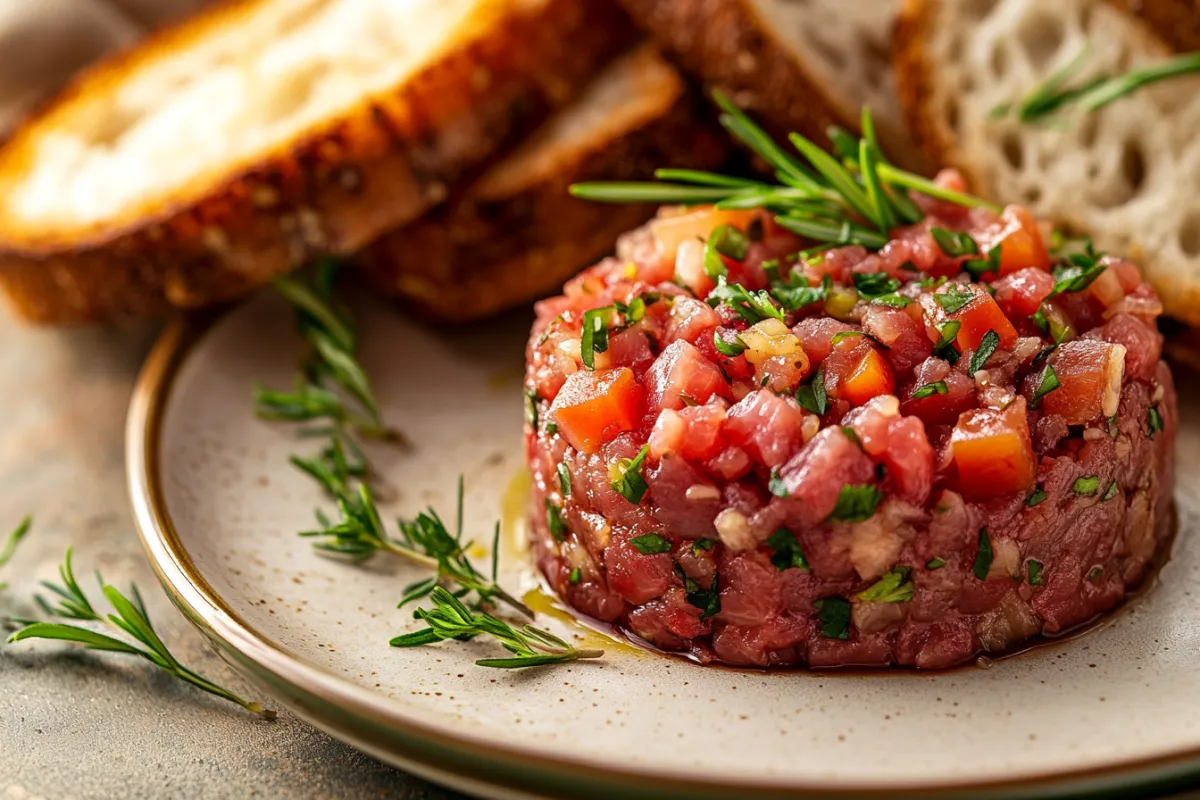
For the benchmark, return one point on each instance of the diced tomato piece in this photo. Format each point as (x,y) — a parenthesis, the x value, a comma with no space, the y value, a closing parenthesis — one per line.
(1021,293)
(856,372)
(1020,241)
(682,372)
(977,318)
(670,231)
(1089,376)
(593,407)
(993,452)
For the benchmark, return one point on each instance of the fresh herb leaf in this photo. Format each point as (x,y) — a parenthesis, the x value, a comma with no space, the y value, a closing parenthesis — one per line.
(575,576)
(450,618)
(651,544)
(531,408)
(1110,492)
(776,485)
(134,634)
(731,349)
(10,544)
(564,478)
(627,478)
(728,241)
(1154,422)
(751,306)
(555,522)
(1036,498)
(856,503)
(894,300)
(1076,277)
(894,587)
(935,563)
(954,243)
(1033,569)
(701,545)
(595,334)
(786,551)
(952,301)
(812,397)
(977,268)
(1047,384)
(1088,484)
(944,347)
(707,600)
(987,345)
(875,284)
(983,556)
(929,390)
(834,615)
(794,298)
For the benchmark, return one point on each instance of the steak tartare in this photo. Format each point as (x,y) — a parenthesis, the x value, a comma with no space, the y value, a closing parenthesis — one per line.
(760,455)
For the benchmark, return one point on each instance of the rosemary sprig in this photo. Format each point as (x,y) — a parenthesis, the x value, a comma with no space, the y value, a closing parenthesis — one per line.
(1056,92)
(856,200)
(450,618)
(10,544)
(130,622)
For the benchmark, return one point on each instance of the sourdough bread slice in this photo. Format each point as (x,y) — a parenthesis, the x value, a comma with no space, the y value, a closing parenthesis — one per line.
(796,65)
(516,234)
(261,133)
(1127,175)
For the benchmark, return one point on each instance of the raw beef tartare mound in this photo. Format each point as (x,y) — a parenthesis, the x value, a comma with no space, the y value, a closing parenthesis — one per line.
(761,455)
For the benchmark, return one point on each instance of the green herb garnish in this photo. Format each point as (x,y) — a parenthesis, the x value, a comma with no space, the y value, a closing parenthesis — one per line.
(595,334)
(1034,569)
(707,600)
(564,478)
(1154,422)
(575,576)
(554,521)
(812,397)
(628,481)
(944,347)
(978,267)
(751,306)
(1047,384)
(1036,498)
(731,349)
(894,300)
(874,284)
(834,616)
(856,503)
(1110,492)
(801,295)
(450,618)
(776,485)
(894,587)
(987,345)
(727,241)
(651,544)
(787,552)
(929,390)
(10,544)
(983,556)
(935,563)
(1088,484)
(952,301)
(954,243)
(135,635)
(702,545)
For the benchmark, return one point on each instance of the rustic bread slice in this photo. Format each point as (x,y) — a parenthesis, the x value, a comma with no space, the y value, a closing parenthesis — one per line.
(797,65)
(1127,175)
(516,234)
(260,133)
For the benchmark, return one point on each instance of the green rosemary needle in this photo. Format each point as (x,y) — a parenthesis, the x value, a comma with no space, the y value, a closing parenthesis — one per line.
(450,618)
(10,544)
(130,622)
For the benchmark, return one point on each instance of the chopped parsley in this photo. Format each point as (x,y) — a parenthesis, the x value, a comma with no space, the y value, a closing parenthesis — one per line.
(952,301)
(978,267)
(1036,498)
(551,428)
(635,311)
(842,335)
(856,503)
(812,397)
(1096,572)
(595,334)
(983,556)
(894,587)
(1154,422)
(944,348)
(707,600)
(531,408)
(727,241)
(787,551)
(892,299)
(575,577)
(1033,569)
(1088,484)
(751,306)
(1048,384)
(954,243)
(935,563)
(701,545)
(851,434)
(1038,318)
(1110,492)
(731,349)
(651,544)
(987,346)
(628,480)
(796,296)
(834,616)
(929,390)
(554,521)
(564,478)
(1081,273)
(874,284)
(776,485)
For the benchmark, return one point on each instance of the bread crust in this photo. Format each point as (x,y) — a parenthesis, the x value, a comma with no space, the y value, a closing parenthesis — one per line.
(330,191)
(490,250)
(1177,22)
(913,74)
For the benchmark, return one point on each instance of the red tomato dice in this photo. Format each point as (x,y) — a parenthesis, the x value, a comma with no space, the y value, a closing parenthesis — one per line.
(593,407)
(993,452)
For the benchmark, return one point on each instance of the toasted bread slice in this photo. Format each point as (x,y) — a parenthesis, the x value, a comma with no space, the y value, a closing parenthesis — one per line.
(1126,174)
(516,234)
(261,133)
(797,66)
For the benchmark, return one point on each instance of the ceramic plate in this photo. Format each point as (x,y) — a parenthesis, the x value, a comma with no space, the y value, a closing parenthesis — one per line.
(219,507)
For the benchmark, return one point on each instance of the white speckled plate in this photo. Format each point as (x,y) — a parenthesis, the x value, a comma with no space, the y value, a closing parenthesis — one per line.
(1113,711)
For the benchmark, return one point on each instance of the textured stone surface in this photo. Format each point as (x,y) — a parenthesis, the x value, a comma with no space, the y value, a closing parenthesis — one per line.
(84,725)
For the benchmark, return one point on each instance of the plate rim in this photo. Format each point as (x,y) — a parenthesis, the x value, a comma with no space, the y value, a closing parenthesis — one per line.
(352,713)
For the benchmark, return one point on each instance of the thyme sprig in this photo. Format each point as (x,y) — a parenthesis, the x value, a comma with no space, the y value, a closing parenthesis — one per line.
(135,635)
(10,543)
(1058,91)
(855,200)
(450,618)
